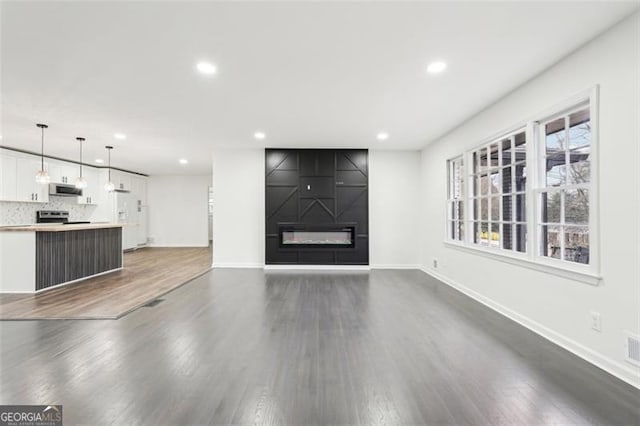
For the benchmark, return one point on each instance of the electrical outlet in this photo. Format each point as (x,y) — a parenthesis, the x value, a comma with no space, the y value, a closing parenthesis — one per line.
(435,263)
(596,321)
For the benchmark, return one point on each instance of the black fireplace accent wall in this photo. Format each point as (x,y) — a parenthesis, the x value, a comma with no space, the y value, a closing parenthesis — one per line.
(317,209)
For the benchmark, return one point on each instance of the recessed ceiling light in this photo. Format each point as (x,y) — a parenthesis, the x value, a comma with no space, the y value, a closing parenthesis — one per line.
(99,160)
(436,67)
(120,136)
(382,136)
(259,135)
(206,68)
(183,161)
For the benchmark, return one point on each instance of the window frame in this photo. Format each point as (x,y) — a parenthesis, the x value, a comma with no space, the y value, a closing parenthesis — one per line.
(535,151)
(450,220)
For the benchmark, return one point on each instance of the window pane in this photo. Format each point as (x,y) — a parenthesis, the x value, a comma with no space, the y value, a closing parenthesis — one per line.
(476,209)
(493,155)
(484,185)
(521,177)
(576,244)
(507,236)
(550,244)
(495,209)
(506,180)
(505,146)
(579,170)
(462,180)
(521,238)
(482,160)
(520,147)
(550,202)
(580,130)
(461,231)
(484,209)
(555,136)
(556,170)
(507,214)
(476,232)
(521,208)
(576,206)
(495,182)
(484,234)
(494,235)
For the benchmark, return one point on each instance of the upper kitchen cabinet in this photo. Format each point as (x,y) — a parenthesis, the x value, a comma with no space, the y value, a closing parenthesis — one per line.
(92,193)
(121,180)
(139,189)
(27,189)
(63,172)
(8,181)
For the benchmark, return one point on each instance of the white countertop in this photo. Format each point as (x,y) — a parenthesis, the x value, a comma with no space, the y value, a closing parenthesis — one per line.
(57,227)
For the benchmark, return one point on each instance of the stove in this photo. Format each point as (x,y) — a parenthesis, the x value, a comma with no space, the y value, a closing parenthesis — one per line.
(52,216)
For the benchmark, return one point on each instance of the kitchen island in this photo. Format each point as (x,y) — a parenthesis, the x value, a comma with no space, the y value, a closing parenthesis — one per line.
(38,257)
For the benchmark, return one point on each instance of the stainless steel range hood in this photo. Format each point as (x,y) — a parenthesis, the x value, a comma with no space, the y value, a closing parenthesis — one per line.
(64,190)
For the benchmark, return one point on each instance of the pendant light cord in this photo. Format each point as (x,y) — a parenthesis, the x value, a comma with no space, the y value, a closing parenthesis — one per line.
(80,158)
(42,150)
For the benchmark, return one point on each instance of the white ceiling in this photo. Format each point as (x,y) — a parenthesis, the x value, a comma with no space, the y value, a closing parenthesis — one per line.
(327,74)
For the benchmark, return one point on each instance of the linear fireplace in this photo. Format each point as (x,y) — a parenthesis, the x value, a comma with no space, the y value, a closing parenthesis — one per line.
(343,237)
(316,207)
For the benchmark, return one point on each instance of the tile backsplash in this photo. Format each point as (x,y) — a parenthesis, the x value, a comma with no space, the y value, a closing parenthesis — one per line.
(16,213)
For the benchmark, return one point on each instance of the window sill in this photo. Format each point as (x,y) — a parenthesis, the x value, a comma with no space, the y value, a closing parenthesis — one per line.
(564,272)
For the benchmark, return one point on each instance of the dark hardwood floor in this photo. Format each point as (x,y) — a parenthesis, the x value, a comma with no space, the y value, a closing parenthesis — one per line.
(247,347)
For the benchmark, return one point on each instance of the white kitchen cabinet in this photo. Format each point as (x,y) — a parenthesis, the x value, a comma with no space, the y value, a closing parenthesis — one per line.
(139,197)
(139,188)
(27,189)
(92,193)
(129,236)
(8,181)
(142,226)
(121,180)
(63,172)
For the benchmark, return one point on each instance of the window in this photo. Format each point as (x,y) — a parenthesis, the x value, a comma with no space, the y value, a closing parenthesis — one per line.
(530,195)
(455,200)
(563,187)
(499,201)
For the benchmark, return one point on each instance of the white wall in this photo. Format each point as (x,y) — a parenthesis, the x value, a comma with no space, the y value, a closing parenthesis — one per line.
(178,210)
(238,211)
(394,209)
(238,208)
(556,307)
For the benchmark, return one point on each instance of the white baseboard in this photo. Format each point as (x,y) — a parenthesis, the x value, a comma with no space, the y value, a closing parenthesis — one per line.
(392,266)
(174,245)
(316,267)
(237,265)
(613,367)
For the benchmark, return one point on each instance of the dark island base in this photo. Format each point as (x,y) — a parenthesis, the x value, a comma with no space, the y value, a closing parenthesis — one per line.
(67,256)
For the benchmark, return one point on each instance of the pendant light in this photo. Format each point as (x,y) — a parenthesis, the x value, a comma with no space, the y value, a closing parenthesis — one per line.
(42,176)
(109,186)
(81,182)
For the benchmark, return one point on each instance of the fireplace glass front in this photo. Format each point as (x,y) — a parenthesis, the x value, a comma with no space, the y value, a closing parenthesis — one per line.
(338,238)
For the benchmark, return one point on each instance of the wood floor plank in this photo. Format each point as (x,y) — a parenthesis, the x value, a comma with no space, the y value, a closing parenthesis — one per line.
(245,346)
(147,274)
